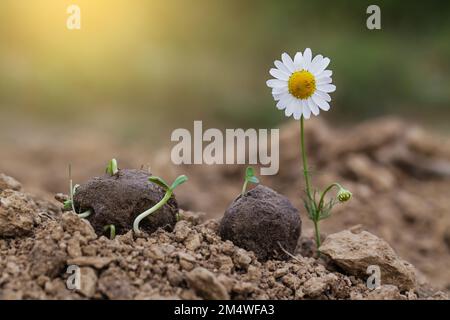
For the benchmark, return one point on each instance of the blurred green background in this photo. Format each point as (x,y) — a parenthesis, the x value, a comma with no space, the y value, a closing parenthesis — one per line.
(138,69)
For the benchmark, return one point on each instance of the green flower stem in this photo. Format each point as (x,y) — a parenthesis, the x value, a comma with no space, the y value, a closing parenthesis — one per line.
(144,214)
(305,161)
(308,184)
(322,197)
(317,233)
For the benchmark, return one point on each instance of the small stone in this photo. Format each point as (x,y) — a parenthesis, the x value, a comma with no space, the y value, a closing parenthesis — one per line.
(73,248)
(193,242)
(280,272)
(174,276)
(96,262)
(206,285)
(17,214)
(314,287)
(181,230)
(385,292)
(154,252)
(228,247)
(187,262)
(242,259)
(88,282)
(355,252)
(7,182)
(291,281)
(254,273)
(244,287)
(72,223)
(47,259)
(115,285)
(225,264)
(89,250)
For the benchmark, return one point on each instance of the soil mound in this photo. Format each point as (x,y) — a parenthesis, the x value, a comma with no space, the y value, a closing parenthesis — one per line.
(192,262)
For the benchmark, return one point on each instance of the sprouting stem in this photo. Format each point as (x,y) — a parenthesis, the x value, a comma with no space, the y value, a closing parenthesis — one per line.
(72,190)
(151,210)
(244,187)
(112,230)
(249,177)
(169,192)
(85,214)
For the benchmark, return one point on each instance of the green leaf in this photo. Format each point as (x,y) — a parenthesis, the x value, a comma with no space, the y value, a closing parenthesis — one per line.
(160,182)
(249,172)
(112,168)
(326,210)
(181,179)
(253,180)
(309,209)
(67,204)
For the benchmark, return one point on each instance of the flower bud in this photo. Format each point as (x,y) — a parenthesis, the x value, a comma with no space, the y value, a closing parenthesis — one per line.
(344,195)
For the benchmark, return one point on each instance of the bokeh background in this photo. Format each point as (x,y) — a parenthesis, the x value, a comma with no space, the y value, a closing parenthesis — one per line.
(137,69)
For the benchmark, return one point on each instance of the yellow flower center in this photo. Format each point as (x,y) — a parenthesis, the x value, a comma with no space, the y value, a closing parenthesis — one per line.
(302,84)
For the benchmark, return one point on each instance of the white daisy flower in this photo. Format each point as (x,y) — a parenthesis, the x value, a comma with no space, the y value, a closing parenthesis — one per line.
(302,86)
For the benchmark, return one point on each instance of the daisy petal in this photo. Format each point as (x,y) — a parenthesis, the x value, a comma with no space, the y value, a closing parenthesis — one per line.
(279,74)
(325,96)
(275,83)
(324,74)
(320,67)
(315,63)
(280,105)
(281,66)
(321,103)
(307,55)
(298,61)
(294,105)
(279,90)
(323,80)
(326,87)
(313,106)
(306,110)
(288,62)
(288,111)
(276,96)
(280,96)
(285,100)
(298,109)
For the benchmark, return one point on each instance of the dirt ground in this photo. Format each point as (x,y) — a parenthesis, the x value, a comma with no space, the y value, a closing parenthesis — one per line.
(399,175)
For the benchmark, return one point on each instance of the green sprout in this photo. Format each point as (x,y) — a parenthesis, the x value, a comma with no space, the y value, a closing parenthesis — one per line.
(169,192)
(319,210)
(69,204)
(112,230)
(112,168)
(249,177)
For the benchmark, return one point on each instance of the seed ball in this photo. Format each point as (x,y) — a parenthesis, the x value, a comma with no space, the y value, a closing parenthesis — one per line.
(261,221)
(120,198)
